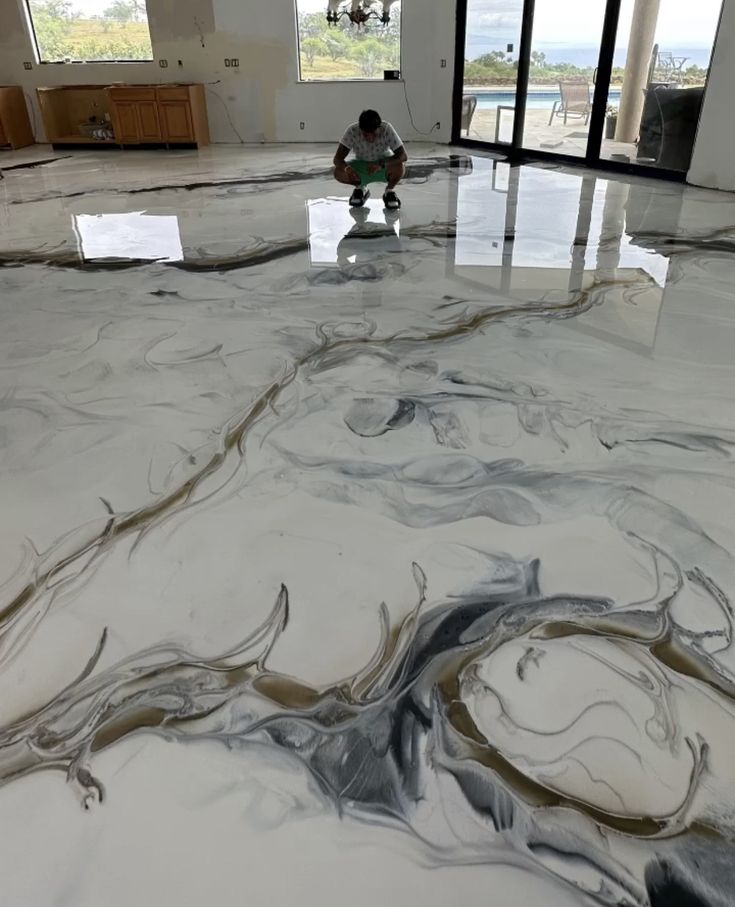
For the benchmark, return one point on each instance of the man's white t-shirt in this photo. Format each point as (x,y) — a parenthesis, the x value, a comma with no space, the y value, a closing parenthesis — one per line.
(386,142)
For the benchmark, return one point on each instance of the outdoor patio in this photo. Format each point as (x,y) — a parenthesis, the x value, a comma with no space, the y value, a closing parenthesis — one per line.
(539,135)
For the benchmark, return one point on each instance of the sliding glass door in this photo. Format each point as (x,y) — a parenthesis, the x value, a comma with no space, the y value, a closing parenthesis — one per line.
(490,74)
(661,60)
(565,51)
(614,81)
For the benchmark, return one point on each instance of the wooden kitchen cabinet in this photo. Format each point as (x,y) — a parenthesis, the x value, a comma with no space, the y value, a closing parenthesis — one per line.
(135,115)
(138,114)
(68,111)
(170,114)
(125,122)
(177,121)
(183,113)
(136,122)
(15,127)
(149,123)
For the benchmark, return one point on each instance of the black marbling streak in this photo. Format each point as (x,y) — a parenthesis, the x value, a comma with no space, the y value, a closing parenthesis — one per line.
(419,171)
(374,742)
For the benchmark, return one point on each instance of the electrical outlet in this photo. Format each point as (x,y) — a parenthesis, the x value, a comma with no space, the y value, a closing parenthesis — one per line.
(228,62)
(302,125)
(27,65)
(437,125)
(236,62)
(181,62)
(163,63)
(444,64)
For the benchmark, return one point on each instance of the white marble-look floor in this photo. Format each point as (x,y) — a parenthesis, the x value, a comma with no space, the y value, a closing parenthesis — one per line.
(349,558)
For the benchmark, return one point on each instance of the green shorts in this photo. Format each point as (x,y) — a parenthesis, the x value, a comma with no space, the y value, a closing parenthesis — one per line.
(361,169)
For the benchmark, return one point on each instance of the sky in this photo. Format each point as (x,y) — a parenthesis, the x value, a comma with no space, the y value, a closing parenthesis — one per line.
(681,23)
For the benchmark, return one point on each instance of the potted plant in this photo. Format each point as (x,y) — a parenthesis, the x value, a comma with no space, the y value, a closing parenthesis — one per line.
(611,122)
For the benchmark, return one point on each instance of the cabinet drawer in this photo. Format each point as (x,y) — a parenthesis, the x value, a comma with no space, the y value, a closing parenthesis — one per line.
(133,93)
(173,93)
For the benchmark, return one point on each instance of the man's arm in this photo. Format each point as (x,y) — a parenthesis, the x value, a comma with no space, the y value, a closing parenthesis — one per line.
(341,167)
(397,146)
(341,156)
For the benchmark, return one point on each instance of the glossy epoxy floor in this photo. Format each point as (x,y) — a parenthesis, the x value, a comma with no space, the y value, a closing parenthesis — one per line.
(348,557)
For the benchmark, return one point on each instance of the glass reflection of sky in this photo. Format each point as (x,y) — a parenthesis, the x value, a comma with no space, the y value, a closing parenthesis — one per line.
(133,235)
(330,221)
(532,232)
(544,225)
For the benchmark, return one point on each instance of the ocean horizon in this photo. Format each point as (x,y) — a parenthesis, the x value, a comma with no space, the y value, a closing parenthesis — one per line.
(583,56)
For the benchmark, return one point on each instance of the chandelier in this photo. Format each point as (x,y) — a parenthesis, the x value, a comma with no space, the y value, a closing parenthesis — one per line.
(359,12)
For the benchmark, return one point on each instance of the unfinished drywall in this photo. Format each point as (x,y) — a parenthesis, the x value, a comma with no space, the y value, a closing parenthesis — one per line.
(263,100)
(713,161)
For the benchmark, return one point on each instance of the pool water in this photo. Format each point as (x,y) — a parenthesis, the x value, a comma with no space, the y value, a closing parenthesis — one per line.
(489,100)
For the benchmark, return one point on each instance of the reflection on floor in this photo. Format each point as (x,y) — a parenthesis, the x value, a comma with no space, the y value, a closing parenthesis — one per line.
(340,547)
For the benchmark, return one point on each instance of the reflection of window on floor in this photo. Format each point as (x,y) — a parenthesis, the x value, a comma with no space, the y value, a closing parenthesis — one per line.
(90,30)
(343,52)
(339,234)
(133,235)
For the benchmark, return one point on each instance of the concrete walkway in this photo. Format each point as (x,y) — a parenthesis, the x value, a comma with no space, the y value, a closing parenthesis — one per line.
(539,135)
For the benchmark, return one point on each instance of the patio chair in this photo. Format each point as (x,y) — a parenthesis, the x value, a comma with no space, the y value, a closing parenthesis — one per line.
(469,105)
(575,101)
(668,68)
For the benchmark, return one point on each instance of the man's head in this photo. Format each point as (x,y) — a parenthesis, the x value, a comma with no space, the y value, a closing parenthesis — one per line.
(369,124)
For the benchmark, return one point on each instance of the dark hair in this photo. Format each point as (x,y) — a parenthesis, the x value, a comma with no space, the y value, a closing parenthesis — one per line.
(370,121)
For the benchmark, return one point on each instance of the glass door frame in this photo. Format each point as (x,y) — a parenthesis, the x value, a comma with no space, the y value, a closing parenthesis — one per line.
(515,151)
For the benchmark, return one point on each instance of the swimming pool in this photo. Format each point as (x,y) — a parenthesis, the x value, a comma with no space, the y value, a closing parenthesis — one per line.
(489,100)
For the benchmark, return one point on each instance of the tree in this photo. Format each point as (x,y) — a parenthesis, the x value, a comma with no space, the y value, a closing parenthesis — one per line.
(126,11)
(62,34)
(122,10)
(352,52)
(337,46)
(312,25)
(52,23)
(495,56)
(538,58)
(310,47)
(53,9)
(695,75)
(370,55)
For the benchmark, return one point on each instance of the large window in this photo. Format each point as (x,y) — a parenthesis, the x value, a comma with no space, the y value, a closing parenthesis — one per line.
(343,51)
(86,31)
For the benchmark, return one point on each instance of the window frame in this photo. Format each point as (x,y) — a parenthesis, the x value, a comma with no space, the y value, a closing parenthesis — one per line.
(354,81)
(30,25)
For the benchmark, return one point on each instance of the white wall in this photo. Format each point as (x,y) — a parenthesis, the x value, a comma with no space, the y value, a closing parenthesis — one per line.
(713,162)
(264,98)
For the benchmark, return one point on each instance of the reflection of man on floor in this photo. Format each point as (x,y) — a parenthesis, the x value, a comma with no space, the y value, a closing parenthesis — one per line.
(367,241)
(379,157)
